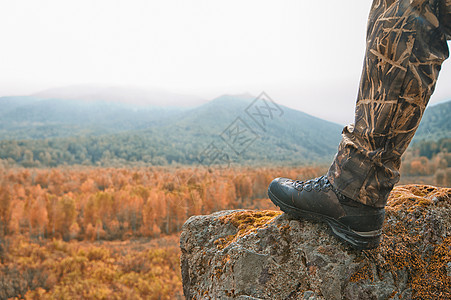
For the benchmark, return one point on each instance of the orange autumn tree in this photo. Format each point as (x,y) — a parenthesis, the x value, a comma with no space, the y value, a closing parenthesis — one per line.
(108,203)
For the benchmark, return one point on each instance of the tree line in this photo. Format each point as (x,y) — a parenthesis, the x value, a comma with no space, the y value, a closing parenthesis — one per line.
(110,203)
(429,159)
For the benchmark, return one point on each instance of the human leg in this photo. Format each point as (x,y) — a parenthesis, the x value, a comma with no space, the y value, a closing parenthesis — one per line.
(406,45)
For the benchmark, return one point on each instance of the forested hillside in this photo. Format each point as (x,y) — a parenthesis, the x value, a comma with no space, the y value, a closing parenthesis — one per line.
(31,118)
(436,123)
(53,132)
(72,133)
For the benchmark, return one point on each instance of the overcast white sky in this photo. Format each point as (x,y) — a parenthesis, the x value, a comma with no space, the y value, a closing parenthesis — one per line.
(304,54)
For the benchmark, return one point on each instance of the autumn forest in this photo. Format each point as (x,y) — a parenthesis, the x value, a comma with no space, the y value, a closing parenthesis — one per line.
(112,227)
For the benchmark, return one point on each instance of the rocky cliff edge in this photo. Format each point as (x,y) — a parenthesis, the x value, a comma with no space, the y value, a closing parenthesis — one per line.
(245,254)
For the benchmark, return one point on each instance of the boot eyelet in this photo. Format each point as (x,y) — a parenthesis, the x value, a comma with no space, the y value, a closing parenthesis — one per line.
(317,187)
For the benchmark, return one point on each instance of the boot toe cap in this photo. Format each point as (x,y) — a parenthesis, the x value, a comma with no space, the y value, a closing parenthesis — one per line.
(277,188)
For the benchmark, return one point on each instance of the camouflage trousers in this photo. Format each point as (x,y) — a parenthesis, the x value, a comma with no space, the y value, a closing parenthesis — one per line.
(406,45)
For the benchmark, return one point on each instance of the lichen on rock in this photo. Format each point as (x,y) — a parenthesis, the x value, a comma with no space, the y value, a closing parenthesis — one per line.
(246,222)
(268,255)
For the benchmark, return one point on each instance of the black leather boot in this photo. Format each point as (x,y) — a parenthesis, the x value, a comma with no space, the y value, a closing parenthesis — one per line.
(358,224)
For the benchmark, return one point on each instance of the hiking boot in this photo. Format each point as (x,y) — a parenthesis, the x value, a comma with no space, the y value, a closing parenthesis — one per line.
(353,222)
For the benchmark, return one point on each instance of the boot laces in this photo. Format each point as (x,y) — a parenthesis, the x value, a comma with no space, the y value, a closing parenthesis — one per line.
(320,184)
(317,184)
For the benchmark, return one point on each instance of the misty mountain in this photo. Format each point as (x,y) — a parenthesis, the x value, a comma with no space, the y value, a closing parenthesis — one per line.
(86,110)
(230,128)
(135,96)
(289,135)
(75,132)
(23,118)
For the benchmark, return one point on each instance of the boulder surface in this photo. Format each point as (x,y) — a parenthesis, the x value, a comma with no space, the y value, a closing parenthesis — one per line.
(244,254)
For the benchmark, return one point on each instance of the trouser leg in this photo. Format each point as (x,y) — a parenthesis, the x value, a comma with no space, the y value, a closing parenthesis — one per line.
(406,45)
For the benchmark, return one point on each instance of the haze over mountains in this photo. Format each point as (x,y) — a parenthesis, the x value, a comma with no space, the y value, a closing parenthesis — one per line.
(121,94)
(103,126)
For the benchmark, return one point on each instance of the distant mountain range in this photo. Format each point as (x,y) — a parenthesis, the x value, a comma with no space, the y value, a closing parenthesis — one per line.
(28,117)
(135,96)
(40,131)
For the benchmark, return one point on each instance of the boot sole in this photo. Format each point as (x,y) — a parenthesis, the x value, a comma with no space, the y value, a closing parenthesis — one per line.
(358,240)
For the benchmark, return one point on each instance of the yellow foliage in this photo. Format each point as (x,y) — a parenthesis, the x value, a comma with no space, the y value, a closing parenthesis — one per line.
(80,270)
(246,222)
(104,203)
